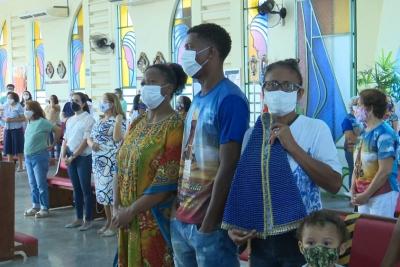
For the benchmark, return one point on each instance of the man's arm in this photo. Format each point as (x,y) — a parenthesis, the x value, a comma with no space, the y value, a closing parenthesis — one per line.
(392,255)
(229,155)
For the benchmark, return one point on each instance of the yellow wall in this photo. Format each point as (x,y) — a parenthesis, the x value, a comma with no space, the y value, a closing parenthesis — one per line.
(377,30)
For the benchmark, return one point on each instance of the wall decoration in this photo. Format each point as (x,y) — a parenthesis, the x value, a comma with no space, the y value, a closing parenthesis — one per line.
(77,55)
(20,78)
(159,59)
(49,70)
(3,55)
(143,62)
(127,56)
(61,70)
(38,50)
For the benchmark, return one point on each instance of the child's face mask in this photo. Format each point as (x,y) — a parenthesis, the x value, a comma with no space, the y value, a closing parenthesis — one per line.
(320,256)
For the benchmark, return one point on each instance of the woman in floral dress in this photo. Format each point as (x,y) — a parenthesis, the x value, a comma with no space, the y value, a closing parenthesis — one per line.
(148,169)
(105,140)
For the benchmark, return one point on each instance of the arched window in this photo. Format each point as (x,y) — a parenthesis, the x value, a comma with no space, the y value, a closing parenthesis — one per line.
(127,49)
(3,55)
(38,49)
(181,24)
(77,55)
(256,56)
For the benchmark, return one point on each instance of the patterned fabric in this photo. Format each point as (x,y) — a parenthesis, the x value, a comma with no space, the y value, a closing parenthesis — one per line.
(377,144)
(350,221)
(104,161)
(148,163)
(320,256)
(264,187)
(211,121)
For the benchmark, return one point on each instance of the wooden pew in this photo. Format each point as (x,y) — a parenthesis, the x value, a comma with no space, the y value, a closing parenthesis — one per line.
(61,191)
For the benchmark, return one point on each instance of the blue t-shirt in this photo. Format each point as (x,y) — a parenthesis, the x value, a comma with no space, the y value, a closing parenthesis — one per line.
(377,144)
(67,110)
(219,117)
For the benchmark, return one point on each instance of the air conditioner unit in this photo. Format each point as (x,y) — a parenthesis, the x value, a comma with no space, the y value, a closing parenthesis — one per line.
(131,2)
(54,12)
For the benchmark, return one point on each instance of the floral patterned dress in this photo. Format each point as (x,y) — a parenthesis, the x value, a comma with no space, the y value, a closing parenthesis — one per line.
(104,163)
(148,163)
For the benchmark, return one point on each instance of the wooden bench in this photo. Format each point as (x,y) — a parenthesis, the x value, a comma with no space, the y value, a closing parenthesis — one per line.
(26,243)
(61,191)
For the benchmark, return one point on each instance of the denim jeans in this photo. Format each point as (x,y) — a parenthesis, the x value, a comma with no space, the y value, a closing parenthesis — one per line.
(54,152)
(37,166)
(79,171)
(276,251)
(193,248)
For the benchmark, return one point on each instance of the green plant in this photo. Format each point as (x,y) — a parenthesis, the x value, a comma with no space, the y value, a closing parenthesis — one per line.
(383,76)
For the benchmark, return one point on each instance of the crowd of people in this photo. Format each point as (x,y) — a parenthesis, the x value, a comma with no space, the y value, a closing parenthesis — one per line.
(189,186)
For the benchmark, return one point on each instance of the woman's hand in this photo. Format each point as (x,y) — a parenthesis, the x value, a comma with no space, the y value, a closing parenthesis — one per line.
(122,218)
(360,199)
(240,237)
(68,160)
(95,147)
(119,118)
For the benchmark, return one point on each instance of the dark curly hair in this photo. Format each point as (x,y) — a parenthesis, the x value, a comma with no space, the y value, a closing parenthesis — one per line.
(216,35)
(173,73)
(290,63)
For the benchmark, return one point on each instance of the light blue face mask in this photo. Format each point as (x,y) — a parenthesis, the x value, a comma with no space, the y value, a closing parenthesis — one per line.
(105,106)
(189,63)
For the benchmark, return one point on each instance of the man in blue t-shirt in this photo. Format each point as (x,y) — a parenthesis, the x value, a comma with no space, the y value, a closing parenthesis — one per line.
(214,130)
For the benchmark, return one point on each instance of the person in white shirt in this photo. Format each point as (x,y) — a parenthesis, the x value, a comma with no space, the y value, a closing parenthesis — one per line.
(78,157)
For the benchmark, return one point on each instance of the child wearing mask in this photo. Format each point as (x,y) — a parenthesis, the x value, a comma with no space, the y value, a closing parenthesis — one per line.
(322,236)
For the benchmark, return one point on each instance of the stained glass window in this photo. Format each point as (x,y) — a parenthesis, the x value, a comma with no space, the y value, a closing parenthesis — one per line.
(181,24)
(325,49)
(39,67)
(3,55)
(256,54)
(127,55)
(77,54)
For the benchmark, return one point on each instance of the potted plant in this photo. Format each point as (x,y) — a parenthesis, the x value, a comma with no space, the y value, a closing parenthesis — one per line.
(382,76)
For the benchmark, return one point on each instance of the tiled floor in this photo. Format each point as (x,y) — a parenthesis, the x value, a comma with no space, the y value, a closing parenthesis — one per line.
(59,247)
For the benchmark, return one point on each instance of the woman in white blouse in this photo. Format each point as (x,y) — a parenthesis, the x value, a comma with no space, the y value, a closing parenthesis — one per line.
(78,157)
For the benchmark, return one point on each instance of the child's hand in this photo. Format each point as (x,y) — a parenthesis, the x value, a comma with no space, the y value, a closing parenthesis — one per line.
(240,237)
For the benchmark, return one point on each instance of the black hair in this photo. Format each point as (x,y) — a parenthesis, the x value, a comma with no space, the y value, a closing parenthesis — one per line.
(290,63)
(216,35)
(10,85)
(321,218)
(136,101)
(375,99)
(119,91)
(186,102)
(23,100)
(174,74)
(84,100)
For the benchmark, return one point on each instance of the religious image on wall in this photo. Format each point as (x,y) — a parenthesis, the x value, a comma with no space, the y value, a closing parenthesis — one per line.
(3,55)
(39,67)
(324,49)
(77,54)
(20,78)
(127,57)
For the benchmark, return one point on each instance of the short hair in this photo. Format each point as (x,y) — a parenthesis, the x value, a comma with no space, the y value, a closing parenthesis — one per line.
(36,108)
(55,99)
(290,64)
(321,218)
(84,100)
(118,91)
(376,100)
(216,35)
(173,73)
(10,85)
(186,102)
(117,109)
(14,96)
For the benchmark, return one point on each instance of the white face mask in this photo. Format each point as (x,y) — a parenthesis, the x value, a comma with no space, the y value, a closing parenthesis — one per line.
(279,102)
(10,101)
(189,63)
(28,114)
(151,96)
